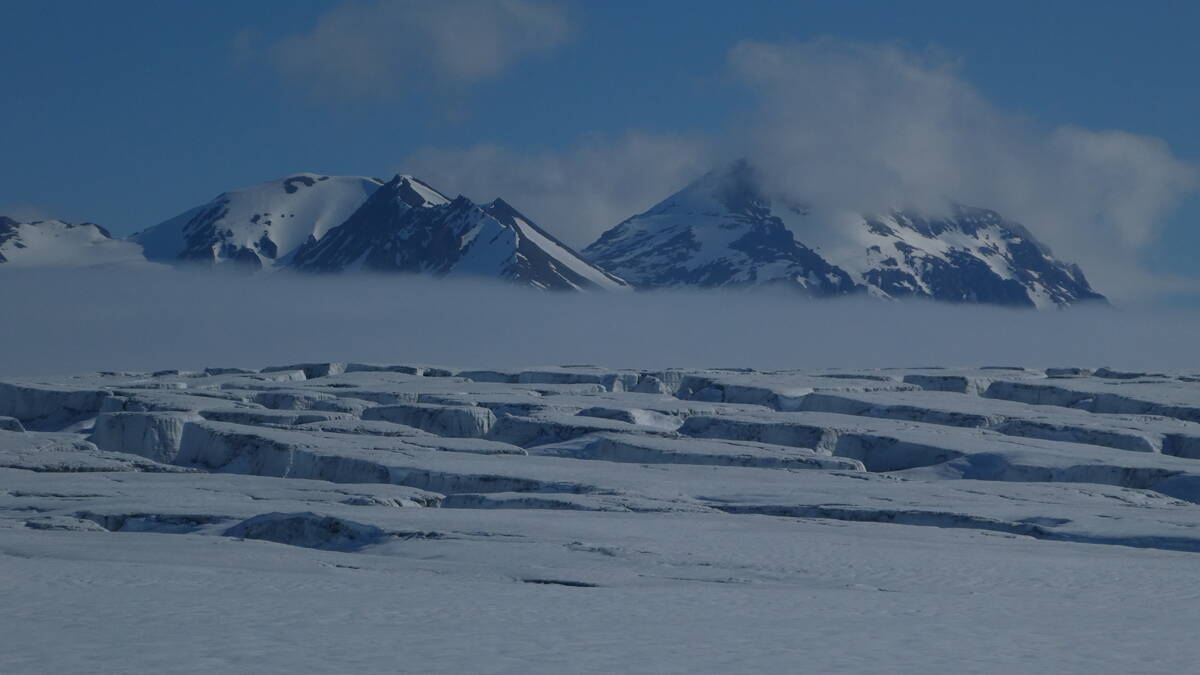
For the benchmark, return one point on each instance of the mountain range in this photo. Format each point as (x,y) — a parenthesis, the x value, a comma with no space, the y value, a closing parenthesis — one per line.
(722,230)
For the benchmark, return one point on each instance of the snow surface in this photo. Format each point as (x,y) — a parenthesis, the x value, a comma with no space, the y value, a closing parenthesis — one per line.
(54,243)
(330,517)
(715,232)
(285,212)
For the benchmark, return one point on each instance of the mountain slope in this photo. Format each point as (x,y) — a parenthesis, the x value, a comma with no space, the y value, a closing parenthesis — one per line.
(967,255)
(54,243)
(260,225)
(407,226)
(718,231)
(722,231)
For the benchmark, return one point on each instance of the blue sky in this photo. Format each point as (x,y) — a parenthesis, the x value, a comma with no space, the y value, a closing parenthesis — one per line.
(127,113)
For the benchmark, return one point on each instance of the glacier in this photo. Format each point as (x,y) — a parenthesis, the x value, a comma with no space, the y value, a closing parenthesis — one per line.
(332,516)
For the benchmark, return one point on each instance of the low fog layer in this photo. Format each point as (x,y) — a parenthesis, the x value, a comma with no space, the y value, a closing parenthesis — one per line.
(63,321)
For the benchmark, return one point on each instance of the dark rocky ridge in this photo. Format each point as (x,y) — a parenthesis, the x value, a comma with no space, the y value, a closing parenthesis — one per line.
(399,230)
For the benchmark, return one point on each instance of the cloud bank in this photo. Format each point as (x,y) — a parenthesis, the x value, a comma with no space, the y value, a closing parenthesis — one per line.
(388,47)
(872,127)
(65,321)
(862,127)
(578,192)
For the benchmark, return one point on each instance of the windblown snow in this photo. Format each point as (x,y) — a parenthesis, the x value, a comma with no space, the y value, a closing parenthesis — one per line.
(334,517)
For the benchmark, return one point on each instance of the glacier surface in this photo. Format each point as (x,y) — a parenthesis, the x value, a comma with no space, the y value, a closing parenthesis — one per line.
(351,517)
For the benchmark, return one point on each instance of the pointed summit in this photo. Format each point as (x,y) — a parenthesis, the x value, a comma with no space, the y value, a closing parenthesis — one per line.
(717,232)
(723,230)
(408,226)
(413,192)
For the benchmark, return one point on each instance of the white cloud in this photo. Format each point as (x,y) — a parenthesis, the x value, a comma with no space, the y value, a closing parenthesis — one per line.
(872,127)
(577,193)
(862,127)
(387,47)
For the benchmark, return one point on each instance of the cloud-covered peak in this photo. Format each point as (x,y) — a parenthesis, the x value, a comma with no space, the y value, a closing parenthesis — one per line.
(871,127)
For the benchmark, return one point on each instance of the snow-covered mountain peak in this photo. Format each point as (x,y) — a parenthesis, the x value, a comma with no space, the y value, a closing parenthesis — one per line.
(728,228)
(414,192)
(718,231)
(725,230)
(544,255)
(55,243)
(734,189)
(261,225)
(965,254)
(408,226)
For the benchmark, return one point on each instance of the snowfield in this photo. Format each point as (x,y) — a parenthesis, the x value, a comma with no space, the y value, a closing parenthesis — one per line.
(263,224)
(55,244)
(381,518)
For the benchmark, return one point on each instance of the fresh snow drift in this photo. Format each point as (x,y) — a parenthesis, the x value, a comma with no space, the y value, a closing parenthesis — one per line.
(723,230)
(54,243)
(407,226)
(259,226)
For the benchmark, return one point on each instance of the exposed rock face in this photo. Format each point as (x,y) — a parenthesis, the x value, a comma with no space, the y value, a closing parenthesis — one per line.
(719,231)
(407,226)
(8,232)
(971,255)
(723,230)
